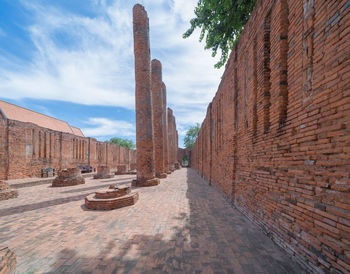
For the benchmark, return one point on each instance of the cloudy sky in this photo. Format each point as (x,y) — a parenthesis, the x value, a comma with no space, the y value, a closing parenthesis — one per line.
(73,59)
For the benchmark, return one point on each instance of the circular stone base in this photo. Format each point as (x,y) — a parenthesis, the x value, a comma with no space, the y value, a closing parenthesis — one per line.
(112,193)
(59,182)
(150,182)
(91,202)
(161,176)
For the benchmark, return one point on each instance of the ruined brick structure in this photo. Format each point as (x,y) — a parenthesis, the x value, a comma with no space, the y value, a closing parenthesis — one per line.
(104,172)
(26,148)
(68,177)
(165,131)
(7,193)
(143,99)
(172,141)
(158,109)
(181,152)
(152,131)
(113,198)
(276,137)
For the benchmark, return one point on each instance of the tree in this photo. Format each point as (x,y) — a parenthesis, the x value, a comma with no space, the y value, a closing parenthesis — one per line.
(222,22)
(122,142)
(191,136)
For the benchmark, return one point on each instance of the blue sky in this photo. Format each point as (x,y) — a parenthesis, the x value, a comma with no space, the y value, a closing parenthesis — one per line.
(73,60)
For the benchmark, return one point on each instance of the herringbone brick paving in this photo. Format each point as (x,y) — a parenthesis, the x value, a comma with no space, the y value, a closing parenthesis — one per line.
(182,225)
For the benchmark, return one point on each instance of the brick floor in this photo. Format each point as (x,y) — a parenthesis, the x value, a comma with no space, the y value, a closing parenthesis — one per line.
(183,225)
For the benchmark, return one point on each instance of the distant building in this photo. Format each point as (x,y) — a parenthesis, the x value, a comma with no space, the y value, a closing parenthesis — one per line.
(13,112)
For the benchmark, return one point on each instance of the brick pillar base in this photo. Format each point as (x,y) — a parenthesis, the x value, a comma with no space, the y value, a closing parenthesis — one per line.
(150,182)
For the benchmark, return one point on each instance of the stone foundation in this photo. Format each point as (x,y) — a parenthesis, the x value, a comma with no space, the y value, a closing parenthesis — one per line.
(177,166)
(121,170)
(103,172)
(68,177)
(133,166)
(6,193)
(141,183)
(112,198)
(112,193)
(161,176)
(7,260)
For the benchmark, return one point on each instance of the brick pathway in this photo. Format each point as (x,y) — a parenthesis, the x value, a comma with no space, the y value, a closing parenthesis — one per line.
(183,225)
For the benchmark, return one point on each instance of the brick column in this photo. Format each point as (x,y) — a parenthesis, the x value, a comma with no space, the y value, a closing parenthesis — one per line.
(157,102)
(176,145)
(143,100)
(174,160)
(170,139)
(165,131)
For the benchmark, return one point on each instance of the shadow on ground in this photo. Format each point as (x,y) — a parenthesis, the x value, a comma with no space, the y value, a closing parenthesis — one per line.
(214,238)
(59,201)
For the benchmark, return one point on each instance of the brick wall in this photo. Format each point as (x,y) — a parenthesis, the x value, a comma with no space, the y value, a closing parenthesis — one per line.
(26,148)
(181,152)
(276,137)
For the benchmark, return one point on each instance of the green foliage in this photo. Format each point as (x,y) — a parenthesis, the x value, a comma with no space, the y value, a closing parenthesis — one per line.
(191,136)
(184,158)
(122,142)
(221,23)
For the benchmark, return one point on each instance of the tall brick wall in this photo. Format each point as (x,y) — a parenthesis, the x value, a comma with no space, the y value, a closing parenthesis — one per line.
(26,148)
(3,148)
(276,137)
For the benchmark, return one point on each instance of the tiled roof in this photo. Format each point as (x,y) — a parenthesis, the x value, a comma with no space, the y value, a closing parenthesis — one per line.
(77,131)
(18,113)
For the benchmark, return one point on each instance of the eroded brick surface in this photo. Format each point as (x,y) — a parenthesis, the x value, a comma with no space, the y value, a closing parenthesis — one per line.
(158,109)
(26,148)
(195,229)
(143,96)
(68,177)
(276,139)
(165,130)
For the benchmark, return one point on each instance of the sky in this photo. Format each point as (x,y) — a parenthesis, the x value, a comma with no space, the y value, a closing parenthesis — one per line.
(73,60)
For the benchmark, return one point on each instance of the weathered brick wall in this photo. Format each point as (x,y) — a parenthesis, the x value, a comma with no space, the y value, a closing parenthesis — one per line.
(26,148)
(276,137)
(181,152)
(3,148)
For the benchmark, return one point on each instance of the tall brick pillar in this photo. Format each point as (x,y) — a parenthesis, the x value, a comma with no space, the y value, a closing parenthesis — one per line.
(157,103)
(165,131)
(176,145)
(170,140)
(143,100)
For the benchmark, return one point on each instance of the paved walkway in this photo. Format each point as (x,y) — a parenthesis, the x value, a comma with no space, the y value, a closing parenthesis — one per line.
(183,225)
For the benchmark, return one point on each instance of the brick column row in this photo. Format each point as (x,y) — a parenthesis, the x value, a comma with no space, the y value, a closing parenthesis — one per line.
(158,109)
(143,100)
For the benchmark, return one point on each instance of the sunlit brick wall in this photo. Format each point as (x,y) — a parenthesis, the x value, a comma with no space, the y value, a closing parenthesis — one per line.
(276,137)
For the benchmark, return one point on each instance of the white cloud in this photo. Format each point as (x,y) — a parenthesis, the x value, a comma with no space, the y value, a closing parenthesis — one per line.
(92,64)
(107,127)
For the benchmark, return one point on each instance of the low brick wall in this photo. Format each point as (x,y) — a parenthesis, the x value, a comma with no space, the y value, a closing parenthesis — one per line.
(25,149)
